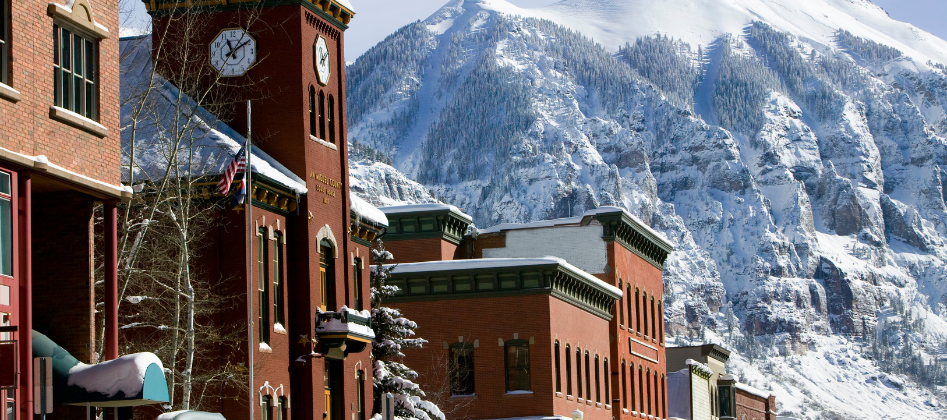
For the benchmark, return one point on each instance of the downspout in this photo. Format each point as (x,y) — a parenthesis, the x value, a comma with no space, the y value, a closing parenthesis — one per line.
(25,232)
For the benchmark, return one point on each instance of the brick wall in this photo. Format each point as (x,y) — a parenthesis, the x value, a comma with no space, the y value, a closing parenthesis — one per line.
(419,250)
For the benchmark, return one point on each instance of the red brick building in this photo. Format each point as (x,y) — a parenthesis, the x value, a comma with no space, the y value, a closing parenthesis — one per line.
(59,157)
(607,243)
(740,401)
(308,338)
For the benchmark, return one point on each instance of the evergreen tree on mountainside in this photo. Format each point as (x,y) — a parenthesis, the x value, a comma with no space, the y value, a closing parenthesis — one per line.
(392,333)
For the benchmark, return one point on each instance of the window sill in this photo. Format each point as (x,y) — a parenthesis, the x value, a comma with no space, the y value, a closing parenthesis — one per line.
(580,400)
(569,398)
(608,406)
(519,393)
(588,403)
(9,93)
(323,142)
(598,405)
(559,395)
(78,121)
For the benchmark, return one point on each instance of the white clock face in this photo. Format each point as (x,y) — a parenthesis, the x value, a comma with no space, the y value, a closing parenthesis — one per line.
(232,52)
(320,60)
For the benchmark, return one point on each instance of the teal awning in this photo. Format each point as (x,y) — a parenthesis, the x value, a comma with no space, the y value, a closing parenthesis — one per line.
(115,383)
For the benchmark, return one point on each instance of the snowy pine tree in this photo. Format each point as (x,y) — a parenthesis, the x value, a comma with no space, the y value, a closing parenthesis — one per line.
(392,333)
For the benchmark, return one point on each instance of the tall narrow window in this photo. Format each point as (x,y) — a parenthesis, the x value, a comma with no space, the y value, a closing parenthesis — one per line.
(283,408)
(608,379)
(360,395)
(637,310)
(558,372)
(6,224)
(278,286)
(568,371)
(265,408)
(263,291)
(75,72)
(648,393)
(661,322)
(631,382)
(664,403)
(330,119)
(598,380)
(621,308)
(624,386)
(644,313)
(653,319)
(578,372)
(357,292)
(322,115)
(327,276)
(517,365)
(588,377)
(461,369)
(4,39)
(312,111)
(640,389)
(9,404)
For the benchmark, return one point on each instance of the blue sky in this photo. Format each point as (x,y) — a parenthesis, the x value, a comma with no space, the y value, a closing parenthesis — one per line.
(376,19)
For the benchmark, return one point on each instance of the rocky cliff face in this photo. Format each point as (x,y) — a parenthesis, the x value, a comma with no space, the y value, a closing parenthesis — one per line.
(801,180)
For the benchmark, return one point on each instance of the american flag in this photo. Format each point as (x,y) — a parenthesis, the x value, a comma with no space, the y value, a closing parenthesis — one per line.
(238,164)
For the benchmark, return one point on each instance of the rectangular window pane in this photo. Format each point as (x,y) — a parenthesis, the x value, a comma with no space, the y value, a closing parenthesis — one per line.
(77,54)
(517,367)
(77,87)
(89,60)
(484,282)
(463,284)
(440,285)
(57,89)
(65,50)
(531,280)
(66,90)
(5,183)
(89,102)
(56,45)
(417,286)
(507,281)
(6,237)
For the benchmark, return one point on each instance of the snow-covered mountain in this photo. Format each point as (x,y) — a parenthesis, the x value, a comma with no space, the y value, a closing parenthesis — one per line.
(794,152)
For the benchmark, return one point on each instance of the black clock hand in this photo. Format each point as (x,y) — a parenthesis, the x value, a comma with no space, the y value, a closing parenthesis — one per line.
(325,55)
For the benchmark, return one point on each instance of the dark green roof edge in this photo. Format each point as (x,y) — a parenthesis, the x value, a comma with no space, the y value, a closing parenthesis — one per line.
(635,237)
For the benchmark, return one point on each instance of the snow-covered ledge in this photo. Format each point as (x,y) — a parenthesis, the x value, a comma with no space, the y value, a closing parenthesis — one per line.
(323,142)
(9,93)
(64,115)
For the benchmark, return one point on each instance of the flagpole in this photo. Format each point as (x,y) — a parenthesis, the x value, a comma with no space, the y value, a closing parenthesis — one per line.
(248,204)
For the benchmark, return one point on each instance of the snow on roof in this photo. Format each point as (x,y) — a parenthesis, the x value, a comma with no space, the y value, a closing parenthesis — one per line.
(367,211)
(346,4)
(700,367)
(208,144)
(487,263)
(43,160)
(744,387)
(125,374)
(575,221)
(412,208)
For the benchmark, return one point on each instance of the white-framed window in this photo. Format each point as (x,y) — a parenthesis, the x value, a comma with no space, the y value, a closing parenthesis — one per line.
(5,41)
(75,71)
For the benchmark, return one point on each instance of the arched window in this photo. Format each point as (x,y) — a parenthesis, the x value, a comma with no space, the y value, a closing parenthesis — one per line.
(312,111)
(628,302)
(640,389)
(263,291)
(644,312)
(558,373)
(578,372)
(330,119)
(648,393)
(568,371)
(653,319)
(637,310)
(608,382)
(598,380)
(278,283)
(661,322)
(357,289)
(664,395)
(588,376)
(322,115)
(621,308)
(326,276)
(624,386)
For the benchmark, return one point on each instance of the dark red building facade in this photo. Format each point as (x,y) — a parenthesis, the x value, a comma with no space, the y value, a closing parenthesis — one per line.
(624,346)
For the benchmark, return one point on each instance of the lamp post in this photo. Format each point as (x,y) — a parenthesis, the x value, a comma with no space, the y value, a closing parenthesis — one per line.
(577,415)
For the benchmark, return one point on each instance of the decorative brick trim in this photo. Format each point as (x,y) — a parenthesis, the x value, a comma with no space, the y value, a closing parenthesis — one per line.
(80,15)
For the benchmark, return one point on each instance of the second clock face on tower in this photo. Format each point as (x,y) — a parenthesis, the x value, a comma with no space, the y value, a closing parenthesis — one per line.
(320,60)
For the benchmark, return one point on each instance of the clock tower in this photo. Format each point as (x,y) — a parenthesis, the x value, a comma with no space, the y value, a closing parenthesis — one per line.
(308,254)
